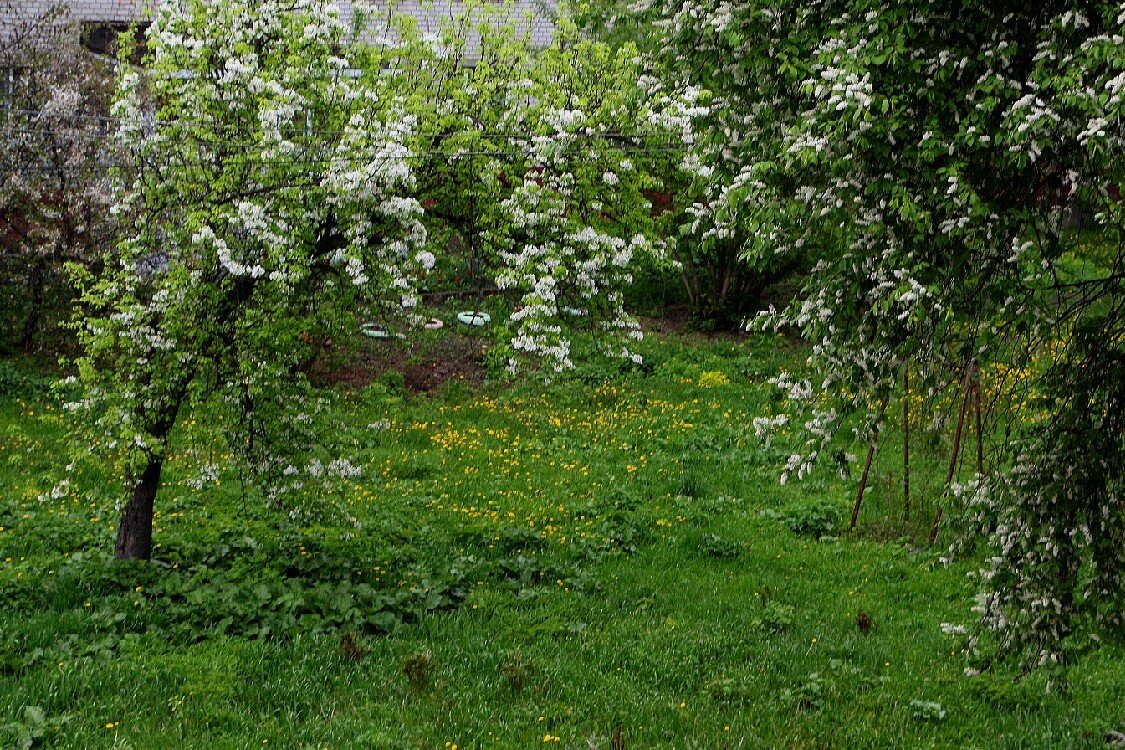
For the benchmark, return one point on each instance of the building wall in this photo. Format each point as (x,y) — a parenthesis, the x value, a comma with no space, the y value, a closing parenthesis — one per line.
(12,11)
(106,10)
(538,15)
(538,12)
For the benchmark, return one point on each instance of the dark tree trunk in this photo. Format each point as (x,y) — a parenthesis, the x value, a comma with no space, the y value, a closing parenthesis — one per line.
(158,412)
(134,533)
(37,283)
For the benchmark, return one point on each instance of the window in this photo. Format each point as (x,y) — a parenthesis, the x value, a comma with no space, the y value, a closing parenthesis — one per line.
(101,38)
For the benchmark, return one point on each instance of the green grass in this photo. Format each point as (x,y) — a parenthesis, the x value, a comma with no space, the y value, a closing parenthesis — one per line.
(518,564)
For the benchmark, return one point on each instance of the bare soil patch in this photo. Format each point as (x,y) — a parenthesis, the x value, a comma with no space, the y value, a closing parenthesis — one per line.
(426,365)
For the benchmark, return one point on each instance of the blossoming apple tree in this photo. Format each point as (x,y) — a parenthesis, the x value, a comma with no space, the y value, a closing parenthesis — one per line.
(707,224)
(268,175)
(265,187)
(539,159)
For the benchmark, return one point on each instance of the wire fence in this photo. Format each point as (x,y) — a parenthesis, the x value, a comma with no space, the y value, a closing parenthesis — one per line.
(35,116)
(211,149)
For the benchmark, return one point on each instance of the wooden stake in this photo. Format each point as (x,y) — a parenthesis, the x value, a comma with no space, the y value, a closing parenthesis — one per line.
(867,466)
(905,443)
(966,390)
(980,428)
(933,530)
(863,479)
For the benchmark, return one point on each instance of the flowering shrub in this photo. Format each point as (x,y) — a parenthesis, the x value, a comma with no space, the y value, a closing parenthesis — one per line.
(53,193)
(928,156)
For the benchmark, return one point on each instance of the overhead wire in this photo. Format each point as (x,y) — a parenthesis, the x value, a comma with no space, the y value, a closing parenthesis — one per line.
(329,157)
(359,160)
(490,134)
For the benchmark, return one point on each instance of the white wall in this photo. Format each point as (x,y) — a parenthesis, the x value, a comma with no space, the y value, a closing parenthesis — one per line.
(429,14)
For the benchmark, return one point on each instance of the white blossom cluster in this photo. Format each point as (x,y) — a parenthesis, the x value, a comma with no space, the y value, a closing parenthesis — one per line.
(567,229)
(564,269)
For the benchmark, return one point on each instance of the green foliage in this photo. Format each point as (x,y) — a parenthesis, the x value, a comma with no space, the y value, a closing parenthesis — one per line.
(393,381)
(813,517)
(613,594)
(808,694)
(34,729)
(716,546)
(774,617)
(927,710)
(17,382)
(241,588)
(692,366)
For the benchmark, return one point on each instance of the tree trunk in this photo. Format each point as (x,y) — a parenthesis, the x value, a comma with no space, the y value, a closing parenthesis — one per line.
(134,533)
(37,282)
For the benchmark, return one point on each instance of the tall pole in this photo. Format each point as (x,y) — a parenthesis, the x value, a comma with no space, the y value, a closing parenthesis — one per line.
(867,465)
(906,443)
(966,391)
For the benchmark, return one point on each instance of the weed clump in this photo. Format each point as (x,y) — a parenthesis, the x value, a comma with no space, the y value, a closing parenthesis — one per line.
(812,518)
(418,668)
(716,546)
(518,671)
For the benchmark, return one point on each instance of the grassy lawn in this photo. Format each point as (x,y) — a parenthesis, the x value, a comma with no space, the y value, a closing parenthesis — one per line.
(604,561)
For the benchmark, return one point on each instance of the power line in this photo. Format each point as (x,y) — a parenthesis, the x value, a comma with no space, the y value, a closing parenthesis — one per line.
(358,160)
(327,156)
(488,134)
(310,165)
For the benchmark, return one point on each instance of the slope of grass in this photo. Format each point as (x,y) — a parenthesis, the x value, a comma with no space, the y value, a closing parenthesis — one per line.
(605,559)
